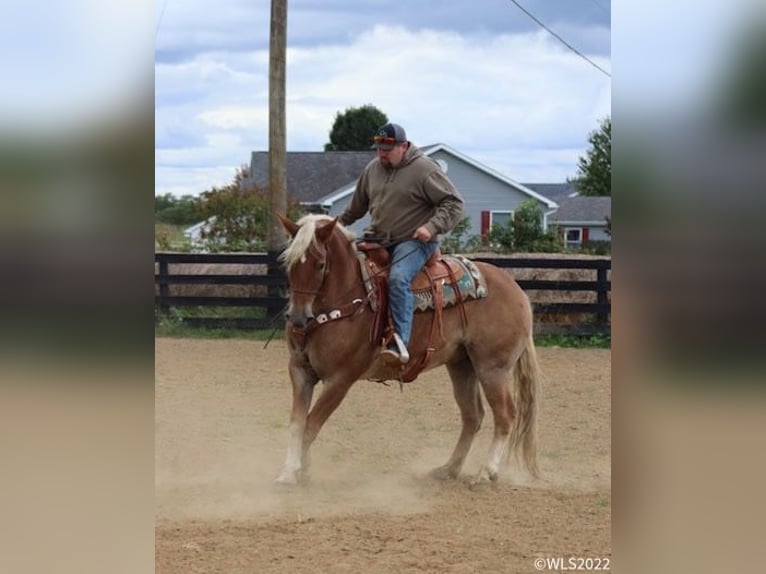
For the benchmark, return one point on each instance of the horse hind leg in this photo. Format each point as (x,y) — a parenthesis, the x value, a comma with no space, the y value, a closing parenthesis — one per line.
(496,387)
(466,391)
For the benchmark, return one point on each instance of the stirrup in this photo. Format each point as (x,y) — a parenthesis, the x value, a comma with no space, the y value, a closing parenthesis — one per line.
(403,353)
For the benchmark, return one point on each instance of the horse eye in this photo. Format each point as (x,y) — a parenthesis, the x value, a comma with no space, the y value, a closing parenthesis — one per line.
(320,265)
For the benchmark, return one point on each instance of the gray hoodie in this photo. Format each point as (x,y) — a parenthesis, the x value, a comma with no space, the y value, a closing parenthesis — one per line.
(414,193)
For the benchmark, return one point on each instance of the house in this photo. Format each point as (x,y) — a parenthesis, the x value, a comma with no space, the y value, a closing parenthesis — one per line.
(310,174)
(324,182)
(193,233)
(583,218)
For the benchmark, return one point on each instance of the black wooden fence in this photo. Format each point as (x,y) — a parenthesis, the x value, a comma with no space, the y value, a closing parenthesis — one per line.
(272,297)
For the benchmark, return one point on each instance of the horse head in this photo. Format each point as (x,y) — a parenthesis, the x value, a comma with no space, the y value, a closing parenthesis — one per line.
(306,263)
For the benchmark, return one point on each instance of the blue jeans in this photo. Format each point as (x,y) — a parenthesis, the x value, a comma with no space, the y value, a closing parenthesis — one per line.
(408,258)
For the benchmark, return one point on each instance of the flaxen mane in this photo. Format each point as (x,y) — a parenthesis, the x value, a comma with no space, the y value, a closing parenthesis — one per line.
(304,238)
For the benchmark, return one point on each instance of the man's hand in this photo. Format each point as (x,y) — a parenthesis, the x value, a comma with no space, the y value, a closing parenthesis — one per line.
(422,234)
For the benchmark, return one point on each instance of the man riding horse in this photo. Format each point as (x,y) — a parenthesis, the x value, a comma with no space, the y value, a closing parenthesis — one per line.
(411,201)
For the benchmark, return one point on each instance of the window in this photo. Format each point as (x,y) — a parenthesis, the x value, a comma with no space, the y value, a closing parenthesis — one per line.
(573,237)
(490,218)
(500,218)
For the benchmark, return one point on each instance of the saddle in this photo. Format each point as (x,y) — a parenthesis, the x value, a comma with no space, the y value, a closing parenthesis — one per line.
(438,272)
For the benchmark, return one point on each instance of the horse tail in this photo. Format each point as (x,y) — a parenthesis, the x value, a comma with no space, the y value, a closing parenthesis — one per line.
(526,376)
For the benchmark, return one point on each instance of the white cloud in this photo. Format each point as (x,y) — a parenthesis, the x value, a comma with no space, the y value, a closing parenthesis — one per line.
(234,117)
(521,103)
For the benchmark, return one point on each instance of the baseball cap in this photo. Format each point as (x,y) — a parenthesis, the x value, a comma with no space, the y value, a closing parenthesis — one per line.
(388,135)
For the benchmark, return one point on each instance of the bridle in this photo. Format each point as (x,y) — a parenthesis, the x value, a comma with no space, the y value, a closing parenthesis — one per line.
(335,313)
(325,273)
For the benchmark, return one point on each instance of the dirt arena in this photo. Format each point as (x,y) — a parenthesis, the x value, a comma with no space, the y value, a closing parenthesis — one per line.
(221,415)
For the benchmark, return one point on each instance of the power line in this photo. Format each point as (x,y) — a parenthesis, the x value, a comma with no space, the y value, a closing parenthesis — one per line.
(560,39)
(597,3)
(159,21)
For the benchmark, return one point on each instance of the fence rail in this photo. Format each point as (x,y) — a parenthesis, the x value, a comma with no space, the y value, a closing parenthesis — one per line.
(274,286)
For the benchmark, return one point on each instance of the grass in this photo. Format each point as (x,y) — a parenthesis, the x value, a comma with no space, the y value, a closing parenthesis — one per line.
(170,237)
(180,331)
(602,501)
(175,328)
(172,325)
(599,341)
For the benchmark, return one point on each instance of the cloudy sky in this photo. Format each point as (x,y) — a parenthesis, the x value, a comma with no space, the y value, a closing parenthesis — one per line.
(479,76)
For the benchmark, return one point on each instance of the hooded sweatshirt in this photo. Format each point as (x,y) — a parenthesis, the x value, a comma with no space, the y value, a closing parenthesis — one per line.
(414,193)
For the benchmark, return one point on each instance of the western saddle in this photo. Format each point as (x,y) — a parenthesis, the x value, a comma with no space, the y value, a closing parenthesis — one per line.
(438,271)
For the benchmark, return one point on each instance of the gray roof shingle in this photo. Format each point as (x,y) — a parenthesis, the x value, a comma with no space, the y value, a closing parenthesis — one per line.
(311,174)
(554,191)
(582,208)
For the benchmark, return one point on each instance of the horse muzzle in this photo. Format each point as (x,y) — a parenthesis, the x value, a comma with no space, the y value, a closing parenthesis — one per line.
(299,319)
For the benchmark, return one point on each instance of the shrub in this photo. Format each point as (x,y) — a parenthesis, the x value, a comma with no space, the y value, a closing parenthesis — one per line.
(596,247)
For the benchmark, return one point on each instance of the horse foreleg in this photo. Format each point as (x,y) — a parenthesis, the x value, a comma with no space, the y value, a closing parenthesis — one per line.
(303,382)
(498,394)
(466,391)
(333,393)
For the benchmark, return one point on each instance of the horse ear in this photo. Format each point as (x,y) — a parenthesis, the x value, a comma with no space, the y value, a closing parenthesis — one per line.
(323,233)
(290,226)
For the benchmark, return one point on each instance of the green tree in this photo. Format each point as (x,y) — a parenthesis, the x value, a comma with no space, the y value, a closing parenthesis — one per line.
(237,218)
(527,225)
(524,232)
(458,240)
(595,169)
(353,129)
(163,202)
(501,237)
(176,210)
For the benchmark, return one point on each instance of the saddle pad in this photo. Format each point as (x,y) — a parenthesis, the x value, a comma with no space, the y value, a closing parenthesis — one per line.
(470,284)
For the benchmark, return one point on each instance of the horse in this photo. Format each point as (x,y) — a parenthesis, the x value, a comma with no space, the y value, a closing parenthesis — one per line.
(484,350)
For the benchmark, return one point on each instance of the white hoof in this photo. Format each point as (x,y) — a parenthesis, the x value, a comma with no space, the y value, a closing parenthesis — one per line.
(484,477)
(287,478)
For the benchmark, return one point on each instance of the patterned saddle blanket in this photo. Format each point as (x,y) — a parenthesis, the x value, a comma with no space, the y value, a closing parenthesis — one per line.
(469,284)
(463,282)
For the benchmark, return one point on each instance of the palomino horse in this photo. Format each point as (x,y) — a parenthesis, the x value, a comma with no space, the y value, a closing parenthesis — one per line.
(492,347)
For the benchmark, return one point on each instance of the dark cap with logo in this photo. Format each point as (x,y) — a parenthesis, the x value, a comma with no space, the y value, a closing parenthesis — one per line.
(389,135)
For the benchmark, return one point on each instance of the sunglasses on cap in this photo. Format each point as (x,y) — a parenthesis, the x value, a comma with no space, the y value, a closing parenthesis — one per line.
(385,140)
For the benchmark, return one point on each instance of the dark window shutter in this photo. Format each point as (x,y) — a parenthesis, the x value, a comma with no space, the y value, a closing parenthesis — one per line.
(484,225)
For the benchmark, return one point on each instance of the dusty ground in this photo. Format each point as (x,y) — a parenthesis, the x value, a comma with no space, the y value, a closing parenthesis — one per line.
(221,434)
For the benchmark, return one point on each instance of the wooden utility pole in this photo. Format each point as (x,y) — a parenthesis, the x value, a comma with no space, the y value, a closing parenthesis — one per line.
(277,137)
(277,142)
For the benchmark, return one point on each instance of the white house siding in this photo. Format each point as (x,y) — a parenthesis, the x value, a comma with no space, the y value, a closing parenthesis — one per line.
(481,191)
(598,234)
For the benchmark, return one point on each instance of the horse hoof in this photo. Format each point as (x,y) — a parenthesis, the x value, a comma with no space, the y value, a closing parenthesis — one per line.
(287,479)
(282,483)
(484,478)
(443,473)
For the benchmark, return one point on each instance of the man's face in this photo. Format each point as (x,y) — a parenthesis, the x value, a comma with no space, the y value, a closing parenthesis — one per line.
(393,157)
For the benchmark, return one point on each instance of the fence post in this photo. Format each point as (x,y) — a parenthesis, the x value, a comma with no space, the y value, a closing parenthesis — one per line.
(601,295)
(275,306)
(164,287)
